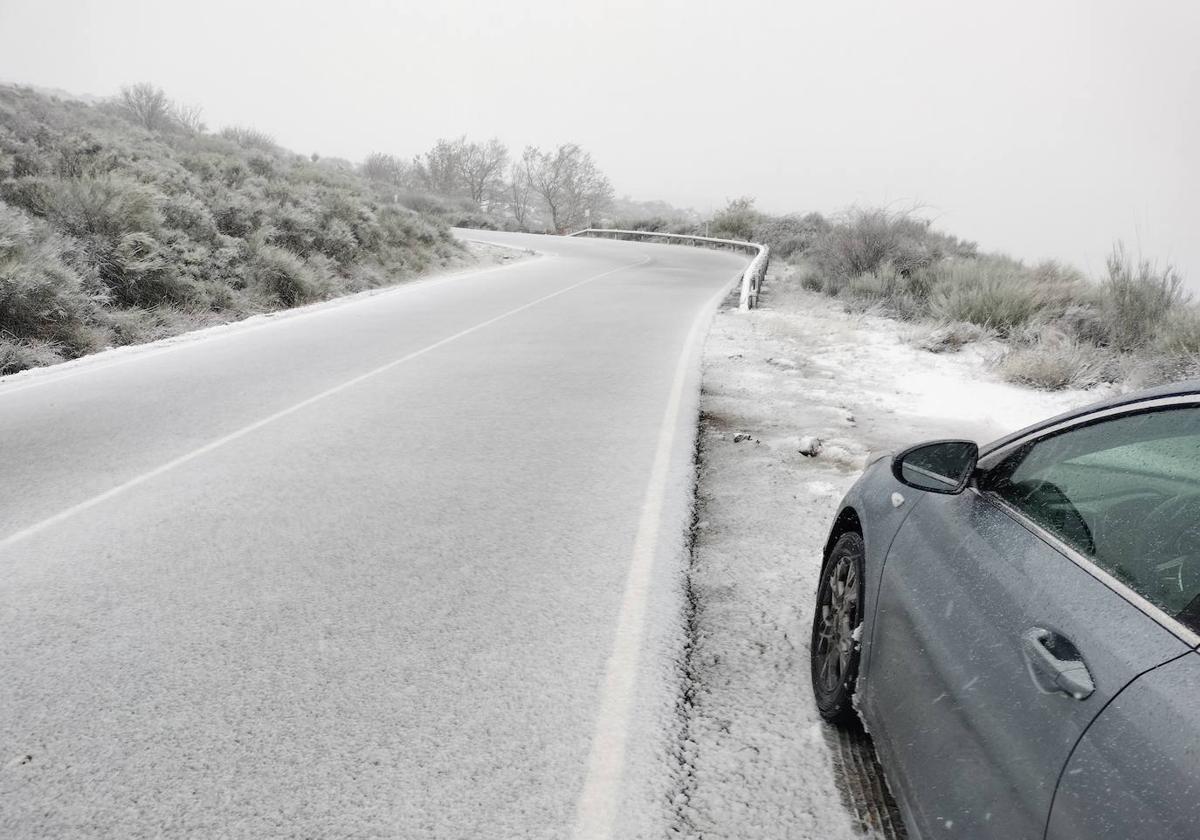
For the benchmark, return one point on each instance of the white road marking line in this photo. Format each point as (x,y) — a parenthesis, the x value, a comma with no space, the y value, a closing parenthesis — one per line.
(62,515)
(596,810)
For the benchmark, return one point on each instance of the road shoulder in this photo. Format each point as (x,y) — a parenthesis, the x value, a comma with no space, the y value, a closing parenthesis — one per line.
(795,396)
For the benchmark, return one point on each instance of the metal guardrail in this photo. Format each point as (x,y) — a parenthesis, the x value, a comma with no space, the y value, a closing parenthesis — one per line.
(752,277)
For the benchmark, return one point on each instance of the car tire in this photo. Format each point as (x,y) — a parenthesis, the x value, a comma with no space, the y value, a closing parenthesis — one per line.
(835,650)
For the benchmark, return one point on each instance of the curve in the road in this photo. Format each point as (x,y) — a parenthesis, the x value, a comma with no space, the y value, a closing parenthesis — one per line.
(408,565)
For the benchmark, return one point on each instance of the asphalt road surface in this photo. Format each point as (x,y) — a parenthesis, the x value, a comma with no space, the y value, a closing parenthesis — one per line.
(406,565)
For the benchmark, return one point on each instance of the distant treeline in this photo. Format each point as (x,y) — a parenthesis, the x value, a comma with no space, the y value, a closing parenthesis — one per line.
(476,184)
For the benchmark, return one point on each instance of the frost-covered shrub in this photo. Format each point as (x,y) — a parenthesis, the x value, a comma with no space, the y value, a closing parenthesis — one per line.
(1146,369)
(1178,334)
(337,240)
(101,209)
(283,276)
(363,277)
(400,226)
(16,356)
(950,338)
(737,220)
(1135,326)
(1085,321)
(994,293)
(1136,299)
(863,240)
(790,235)
(1056,364)
(139,273)
(900,295)
(236,215)
(474,220)
(249,138)
(29,192)
(116,233)
(42,297)
(186,212)
(427,204)
(879,284)
(810,279)
(295,227)
(652,224)
(327,276)
(261,165)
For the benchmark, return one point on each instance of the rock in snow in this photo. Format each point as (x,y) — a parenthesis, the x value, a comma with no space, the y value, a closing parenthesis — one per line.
(810,445)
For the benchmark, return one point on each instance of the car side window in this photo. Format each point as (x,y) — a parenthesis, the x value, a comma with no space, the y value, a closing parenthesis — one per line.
(1125,493)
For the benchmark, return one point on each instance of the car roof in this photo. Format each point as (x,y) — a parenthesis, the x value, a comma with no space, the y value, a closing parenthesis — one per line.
(1173,389)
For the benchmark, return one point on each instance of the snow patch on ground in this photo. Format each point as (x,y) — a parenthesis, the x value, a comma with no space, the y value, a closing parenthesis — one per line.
(757,762)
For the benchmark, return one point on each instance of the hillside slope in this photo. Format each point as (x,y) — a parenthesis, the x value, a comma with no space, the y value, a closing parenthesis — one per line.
(114,233)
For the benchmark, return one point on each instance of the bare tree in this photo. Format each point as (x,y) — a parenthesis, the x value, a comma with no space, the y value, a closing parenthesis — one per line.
(190,118)
(568,183)
(386,169)
(519,192)
(440,169)
(147,106)
(249,138)
(482,170)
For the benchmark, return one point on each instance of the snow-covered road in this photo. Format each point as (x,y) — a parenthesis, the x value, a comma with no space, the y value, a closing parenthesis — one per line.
(403,566)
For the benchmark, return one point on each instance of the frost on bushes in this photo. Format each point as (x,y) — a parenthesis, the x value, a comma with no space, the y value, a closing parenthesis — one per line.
(790,235)
(996,293)
(17,356)
(1137,299)
(249,138)
(950,338)
(184,211)
(1135,326)
(283,277)
(43,299)
(1085,321)
(114,228)
(1178,334)
(1055,364)
(864,240)
(98,208)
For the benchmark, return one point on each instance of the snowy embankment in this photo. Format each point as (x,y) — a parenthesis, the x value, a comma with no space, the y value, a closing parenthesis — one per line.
(798,375)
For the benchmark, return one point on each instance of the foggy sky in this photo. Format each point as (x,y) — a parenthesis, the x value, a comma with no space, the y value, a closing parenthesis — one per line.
(1045,129)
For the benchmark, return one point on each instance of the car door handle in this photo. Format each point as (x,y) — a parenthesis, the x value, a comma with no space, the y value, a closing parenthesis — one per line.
(1056,663)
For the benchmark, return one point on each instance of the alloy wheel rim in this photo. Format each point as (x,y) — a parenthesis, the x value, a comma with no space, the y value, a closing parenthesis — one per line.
(838,620)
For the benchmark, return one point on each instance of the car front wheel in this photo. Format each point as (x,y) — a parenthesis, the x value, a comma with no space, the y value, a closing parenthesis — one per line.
(835,648)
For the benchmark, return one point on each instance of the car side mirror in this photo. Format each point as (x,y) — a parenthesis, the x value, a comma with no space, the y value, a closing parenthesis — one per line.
(940,466)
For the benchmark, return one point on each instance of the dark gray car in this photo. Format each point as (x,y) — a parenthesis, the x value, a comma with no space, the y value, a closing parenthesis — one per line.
(1018,625)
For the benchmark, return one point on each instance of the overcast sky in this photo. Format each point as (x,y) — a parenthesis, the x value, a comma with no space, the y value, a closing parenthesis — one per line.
(1046,129)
